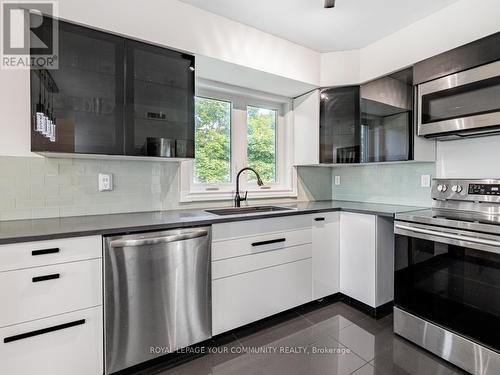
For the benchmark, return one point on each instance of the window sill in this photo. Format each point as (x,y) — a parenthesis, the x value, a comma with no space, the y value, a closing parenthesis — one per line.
(201,196)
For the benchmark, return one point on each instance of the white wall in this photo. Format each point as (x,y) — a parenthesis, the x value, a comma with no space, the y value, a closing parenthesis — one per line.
(457,24)
(469,158)
(15,109)
(237,75)
(170,23)
(340,68)
(178,25)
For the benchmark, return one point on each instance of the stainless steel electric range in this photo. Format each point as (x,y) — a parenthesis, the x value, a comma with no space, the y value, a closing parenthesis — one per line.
(447,274)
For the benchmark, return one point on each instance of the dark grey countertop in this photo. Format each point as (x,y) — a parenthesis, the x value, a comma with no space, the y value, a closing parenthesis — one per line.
(43,229)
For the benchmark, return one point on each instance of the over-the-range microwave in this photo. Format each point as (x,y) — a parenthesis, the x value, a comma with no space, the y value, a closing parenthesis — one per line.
(464,104)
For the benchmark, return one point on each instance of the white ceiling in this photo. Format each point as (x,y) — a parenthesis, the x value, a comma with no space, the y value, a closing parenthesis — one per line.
(352,24)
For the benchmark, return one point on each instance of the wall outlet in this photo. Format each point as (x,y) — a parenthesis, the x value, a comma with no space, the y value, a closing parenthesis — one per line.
(425,180)
(105,182)
(337,180)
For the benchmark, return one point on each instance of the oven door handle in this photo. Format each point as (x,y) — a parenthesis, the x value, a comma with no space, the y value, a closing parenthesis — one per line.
(449,235)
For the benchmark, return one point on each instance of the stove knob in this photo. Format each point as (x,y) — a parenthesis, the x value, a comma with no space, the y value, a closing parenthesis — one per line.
(456,188)
(442,188)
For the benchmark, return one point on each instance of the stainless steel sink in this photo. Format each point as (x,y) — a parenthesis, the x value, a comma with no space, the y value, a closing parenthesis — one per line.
(246,210)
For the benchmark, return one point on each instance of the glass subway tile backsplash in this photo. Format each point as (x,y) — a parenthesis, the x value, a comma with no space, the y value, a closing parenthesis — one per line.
(391,183)
(37,187)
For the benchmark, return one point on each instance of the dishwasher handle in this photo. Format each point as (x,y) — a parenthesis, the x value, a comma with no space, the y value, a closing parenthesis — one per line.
(158,240)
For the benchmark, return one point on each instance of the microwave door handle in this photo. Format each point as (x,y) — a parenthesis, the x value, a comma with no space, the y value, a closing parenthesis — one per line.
(452,236)
(159,240)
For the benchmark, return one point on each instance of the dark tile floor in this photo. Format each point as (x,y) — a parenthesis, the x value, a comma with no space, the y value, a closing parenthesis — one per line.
(318,339)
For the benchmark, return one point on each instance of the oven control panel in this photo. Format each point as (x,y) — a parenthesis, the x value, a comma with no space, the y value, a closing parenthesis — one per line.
(472,190)
(484,189)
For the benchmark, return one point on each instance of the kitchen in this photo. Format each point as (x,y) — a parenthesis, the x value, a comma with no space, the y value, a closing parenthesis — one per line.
(173,200)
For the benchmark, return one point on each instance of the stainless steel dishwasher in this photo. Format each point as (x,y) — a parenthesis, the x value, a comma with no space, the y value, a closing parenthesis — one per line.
(156,294)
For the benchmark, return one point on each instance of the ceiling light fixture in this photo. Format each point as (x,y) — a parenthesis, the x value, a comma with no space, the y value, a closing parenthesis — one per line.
(329,3)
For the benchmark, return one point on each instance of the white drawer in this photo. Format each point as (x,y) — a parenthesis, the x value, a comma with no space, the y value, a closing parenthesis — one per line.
(40,253)
(256,244)
(59,349)
(246,228)
(245,298)
(34,293)
(233,266)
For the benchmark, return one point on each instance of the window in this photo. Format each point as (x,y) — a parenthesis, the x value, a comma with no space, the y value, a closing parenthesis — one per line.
(235,130)
(212,141)
(261,142)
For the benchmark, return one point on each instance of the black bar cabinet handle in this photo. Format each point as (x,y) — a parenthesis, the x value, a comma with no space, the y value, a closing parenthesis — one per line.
(268,242)
(42,331)
(37,279)
(319,219)
(45,251)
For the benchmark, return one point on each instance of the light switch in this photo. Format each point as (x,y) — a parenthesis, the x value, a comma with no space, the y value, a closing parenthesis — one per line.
(105,182)
(337,180)
(425,180)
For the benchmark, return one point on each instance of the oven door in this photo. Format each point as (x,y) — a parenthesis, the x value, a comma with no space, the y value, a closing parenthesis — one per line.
(467,102)
(451,278)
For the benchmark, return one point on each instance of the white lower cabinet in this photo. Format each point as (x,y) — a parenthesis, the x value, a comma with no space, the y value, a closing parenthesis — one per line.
(50,290)
(51,319)
(41,253)
(357,256)
(263,267)
(69,343)
(238,265)
(245,298)
(366,258)
(325,254)
(259,268)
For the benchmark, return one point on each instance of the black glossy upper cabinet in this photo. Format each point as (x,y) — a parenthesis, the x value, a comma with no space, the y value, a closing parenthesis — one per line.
(480,52)
(368,123)
(159,101)
(386,118)
(114,96)
(84,97)
(339,129)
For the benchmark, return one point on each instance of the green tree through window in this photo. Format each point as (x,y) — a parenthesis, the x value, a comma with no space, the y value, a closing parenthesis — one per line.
(212,141)
(261,149)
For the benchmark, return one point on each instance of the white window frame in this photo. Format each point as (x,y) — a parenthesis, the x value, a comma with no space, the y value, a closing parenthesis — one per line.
(286,180)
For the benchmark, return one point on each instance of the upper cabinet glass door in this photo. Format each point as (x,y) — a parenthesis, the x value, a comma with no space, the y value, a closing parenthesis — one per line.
(339,125)
(159,102)
(386,118)
(83,98)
